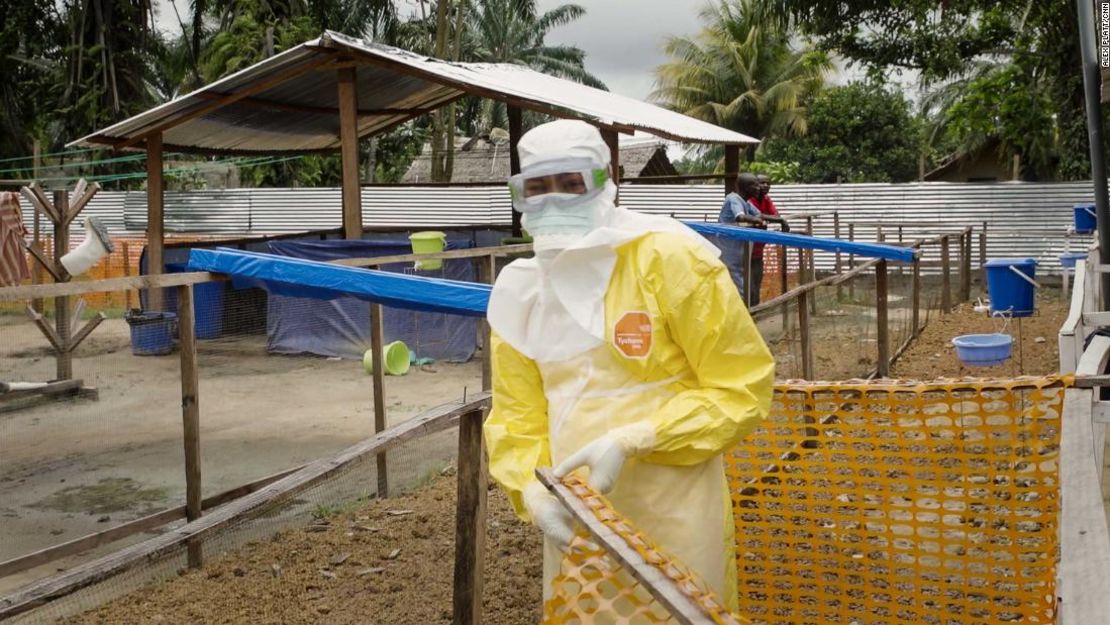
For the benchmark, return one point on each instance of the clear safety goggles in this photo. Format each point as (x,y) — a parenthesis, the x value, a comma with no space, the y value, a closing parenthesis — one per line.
(559,183)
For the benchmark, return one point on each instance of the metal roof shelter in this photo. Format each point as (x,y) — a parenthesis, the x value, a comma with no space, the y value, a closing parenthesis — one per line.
(327,93)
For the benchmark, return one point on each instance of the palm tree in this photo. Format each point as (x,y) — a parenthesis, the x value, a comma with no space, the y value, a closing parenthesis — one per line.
(741,72)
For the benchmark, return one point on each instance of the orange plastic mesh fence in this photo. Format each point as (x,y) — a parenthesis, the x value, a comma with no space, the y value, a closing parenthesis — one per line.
(593,587)
(878,503)
(901,503)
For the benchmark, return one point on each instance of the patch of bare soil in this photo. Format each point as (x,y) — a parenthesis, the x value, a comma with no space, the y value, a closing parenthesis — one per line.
(387,562)
(933,356)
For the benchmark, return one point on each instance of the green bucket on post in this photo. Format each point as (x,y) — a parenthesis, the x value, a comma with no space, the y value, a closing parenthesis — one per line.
(395,355)
(428,242)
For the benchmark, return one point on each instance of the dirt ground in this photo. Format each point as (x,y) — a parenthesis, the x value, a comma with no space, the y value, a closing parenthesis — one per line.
(387,562)
(348,568)
(933,356)
(76,467)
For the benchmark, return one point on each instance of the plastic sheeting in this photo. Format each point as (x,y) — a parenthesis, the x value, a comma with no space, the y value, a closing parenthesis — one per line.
(320,308)
(866,250)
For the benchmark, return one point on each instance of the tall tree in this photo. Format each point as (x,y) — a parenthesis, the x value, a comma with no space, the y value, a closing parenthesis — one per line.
(741,72)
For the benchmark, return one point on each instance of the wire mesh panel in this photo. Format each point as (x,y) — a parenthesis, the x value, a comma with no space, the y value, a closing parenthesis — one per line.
(901,503)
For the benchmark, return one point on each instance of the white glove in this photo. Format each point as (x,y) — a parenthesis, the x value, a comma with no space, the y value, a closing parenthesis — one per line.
(606,455)
(548,514)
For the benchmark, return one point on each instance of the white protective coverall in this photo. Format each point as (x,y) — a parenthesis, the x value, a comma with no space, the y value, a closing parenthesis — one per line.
(630,327)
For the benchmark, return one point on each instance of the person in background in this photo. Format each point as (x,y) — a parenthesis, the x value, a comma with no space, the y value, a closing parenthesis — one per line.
(760,199)
(736,209)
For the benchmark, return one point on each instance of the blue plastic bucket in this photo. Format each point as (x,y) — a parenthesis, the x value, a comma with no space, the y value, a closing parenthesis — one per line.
(1011,293)
(208,304)
(1068,260)
(1085,220)
(151,332)
(983,350)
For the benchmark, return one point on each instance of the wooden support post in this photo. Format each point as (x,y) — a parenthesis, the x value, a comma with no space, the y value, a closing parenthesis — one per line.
(63,358)
(155,220)
(190,413)
(946,276)
(836,235)
(377,341)
(85,331)
(613,142)
(487,273)
(916,297)
(36,233)
(983,255)
(348,145)
(901,240)
(127,272)
(516,129)
(851,262)
(803,334)
(785,284)
(732,167)
(809,255)
(470,521)
(965,266)
(883,334)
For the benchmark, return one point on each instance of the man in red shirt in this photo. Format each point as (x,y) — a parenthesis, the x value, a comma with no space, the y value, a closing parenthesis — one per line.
(761,200)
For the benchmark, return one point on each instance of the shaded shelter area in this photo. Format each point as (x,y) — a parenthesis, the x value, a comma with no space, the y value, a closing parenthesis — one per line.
(328,93)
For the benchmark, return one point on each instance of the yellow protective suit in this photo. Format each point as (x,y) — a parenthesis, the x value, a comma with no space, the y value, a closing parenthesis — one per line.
(681,352)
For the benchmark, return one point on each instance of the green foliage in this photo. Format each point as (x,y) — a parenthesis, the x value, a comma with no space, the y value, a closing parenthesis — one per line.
(780,172)
(862,132)
(741,72)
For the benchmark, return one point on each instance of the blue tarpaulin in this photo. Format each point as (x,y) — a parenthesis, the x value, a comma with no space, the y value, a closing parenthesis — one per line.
(321,308)
(756,235)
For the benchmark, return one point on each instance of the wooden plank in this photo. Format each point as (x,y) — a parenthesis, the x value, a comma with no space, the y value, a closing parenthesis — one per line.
(883,331)
(851,261)
(470,521)
(37,197)
(965,266)
(377,342)
(838,267)
(82,576)
(190,413)
(63,360)
(1084,567)
(809,286)
(476,252)
(946,281)
(516,129)
(348,141)
(155,219)
(126,272)
(663,589)
(85,331)
(83,194)
(916,304)
(804,335)
(784,285)
(45,328)
(57,272)
(812,271)
(32,291)
(315,110)
(123,530)
(51,388)
(254,87)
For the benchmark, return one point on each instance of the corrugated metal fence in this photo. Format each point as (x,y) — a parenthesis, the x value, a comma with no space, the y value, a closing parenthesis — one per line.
(1023,219)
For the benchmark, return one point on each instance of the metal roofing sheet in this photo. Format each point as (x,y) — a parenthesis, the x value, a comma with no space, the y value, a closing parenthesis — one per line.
(288,103)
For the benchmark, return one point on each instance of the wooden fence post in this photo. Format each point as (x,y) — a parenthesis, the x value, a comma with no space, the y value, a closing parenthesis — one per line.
(376,343)
(883,364)
(836,235)
(190,413)
(916,294)
(804,336)
(63,358)
(965,269)
(487,273)
(470,521)
(983,255)
(946,276)
(809,254)
(851,263)
(784,281)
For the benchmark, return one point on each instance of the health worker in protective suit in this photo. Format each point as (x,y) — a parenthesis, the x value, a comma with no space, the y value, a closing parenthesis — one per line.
(622,350)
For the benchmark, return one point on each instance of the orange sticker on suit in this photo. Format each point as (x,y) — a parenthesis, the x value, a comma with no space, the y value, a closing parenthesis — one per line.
(632,334)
